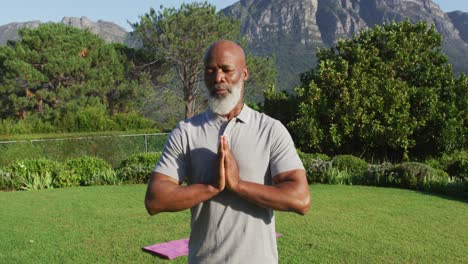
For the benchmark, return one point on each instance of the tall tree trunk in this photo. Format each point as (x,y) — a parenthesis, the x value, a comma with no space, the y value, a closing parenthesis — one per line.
(189,109)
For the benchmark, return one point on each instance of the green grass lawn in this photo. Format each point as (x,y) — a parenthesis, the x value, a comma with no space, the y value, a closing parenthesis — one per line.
(348,224)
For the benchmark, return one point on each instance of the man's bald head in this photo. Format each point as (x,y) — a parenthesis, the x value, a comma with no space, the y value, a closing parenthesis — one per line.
(224,45)
(225,73)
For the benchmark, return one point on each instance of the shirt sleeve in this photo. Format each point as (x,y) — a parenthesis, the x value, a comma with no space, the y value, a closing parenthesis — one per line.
(173,162)
(283,154)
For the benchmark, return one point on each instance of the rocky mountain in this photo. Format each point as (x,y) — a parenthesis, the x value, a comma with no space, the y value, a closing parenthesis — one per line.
(10,31)
(109,31)
(293,29)
(460,21)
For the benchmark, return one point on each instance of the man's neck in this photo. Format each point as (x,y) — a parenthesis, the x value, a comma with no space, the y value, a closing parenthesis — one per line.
(235,111)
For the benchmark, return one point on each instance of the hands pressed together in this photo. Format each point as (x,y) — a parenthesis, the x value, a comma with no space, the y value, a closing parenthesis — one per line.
(227,164)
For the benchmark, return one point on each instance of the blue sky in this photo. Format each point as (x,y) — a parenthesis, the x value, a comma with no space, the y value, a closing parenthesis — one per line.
(117,11)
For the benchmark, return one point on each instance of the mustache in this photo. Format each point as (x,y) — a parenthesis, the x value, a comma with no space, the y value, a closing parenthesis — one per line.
(223,87)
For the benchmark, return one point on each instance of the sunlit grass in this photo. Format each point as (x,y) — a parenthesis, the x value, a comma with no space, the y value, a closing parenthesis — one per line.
(350,224)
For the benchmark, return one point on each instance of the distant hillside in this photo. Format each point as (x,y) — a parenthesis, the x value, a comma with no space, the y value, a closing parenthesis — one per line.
(460,21)
(109,31)
(293,29)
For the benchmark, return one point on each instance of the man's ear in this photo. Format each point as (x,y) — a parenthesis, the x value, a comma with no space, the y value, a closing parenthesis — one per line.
(246,73)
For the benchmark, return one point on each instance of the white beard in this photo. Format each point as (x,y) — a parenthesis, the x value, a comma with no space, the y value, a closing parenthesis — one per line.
(223,105)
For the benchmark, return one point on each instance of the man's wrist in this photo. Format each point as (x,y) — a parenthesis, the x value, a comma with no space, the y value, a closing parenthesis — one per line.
(238,187)
(213,189)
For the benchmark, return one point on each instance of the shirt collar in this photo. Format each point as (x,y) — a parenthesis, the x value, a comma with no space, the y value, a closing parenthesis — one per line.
(243,116)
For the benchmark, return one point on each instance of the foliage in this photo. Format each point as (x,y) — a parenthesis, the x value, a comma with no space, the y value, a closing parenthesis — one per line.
(314,164)
(179,38)
(92,171)
(7,182)
(337,176)
(459,169)
(455,164)
(55,71)
(262,76)
(113,147)
(280,105)
(138,167)
(355,166)
(388,93)
(375,175)
(414,175)
(35,181)
(32,174)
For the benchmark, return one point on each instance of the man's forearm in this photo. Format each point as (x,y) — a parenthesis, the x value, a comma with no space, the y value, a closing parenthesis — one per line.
(167,197)
(284,196)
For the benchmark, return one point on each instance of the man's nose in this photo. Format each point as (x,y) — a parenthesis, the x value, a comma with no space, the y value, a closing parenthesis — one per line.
(219,76)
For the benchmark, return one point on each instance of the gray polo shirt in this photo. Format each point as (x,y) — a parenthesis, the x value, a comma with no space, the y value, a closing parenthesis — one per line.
(227,228)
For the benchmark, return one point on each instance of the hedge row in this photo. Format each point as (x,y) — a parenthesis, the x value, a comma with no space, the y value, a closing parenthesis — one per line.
(347,169)
(448,176)
(33,174)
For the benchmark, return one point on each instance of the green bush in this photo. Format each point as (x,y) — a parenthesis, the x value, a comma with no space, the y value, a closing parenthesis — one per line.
(315,165)
(67,178)
(88,119)
(127,121)
(444,161)
(459,169)
(36,181)
(32,123)
(337,176)
(437,181)
(354,166)
(6,181)
(138,167)
(375,175)
(32,174)
(412,175)
(92,171)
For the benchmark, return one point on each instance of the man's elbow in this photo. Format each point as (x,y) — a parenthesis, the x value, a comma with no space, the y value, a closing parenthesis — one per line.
(151,208)
(303,205)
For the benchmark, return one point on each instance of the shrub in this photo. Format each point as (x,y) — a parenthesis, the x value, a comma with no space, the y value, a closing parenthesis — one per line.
(315,165)
(412,175)
(6,181)
(444,161)
(36,181)
(336,176)
(437,181)
(91,118)
(67,178)
(32,174)
(459,169)
(355,166)
(138,167)
(375,175)
(127,121)
(92,171)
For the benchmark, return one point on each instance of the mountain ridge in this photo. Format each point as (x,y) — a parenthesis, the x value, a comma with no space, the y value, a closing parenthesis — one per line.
(292,30)
(107,30)
(269,26)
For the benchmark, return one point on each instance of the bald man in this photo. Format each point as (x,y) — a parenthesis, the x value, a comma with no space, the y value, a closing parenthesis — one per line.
(239,164)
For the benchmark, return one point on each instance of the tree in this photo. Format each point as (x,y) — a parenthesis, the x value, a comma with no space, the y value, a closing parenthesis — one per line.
(387,93)
(179,39)
(56,69)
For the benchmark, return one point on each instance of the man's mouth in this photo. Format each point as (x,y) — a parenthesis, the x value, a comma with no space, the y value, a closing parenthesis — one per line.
(220,90)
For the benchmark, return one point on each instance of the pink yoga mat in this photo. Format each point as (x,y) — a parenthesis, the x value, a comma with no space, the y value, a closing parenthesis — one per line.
(173,249)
